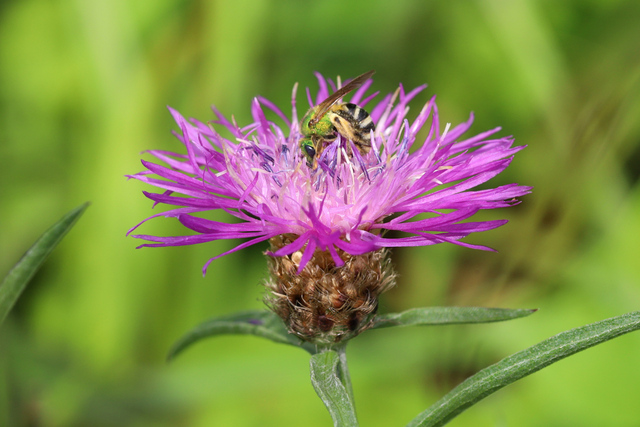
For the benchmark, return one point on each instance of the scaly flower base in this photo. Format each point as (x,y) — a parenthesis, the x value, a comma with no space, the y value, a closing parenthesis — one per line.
(324,303)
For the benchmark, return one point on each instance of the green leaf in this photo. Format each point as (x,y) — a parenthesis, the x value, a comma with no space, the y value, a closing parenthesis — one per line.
(266,324)
(17,279)
(447,316)
(261,323)
(328,385)
(519,365)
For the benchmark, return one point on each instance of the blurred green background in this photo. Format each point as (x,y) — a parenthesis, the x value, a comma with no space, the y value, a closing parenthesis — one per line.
(83,89)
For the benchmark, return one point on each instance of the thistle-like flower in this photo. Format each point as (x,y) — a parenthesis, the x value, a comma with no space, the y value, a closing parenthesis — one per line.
(327,223)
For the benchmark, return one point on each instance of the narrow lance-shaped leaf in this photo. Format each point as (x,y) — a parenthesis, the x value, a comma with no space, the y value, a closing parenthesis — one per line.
(266,324)
(448,316)
(16,280)
(519,365)
(326,382)
(260,323)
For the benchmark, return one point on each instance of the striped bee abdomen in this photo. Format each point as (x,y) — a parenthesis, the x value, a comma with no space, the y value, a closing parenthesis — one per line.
(361,117)
(354,123)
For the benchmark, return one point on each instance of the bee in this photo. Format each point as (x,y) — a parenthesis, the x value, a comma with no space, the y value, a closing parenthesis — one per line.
(325,121)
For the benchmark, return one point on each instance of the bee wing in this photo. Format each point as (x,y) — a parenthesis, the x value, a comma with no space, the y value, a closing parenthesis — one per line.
(324,106)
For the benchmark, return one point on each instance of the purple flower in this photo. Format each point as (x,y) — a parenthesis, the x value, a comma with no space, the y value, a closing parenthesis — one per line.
(423,190)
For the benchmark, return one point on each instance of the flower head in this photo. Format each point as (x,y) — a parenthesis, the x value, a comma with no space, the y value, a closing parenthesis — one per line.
(420,188)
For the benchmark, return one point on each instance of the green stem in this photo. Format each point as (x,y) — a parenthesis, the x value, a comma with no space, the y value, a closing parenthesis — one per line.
(330,379)
(343,371)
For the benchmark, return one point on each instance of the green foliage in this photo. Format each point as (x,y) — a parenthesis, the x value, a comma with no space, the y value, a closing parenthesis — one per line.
(524,363)
(448,316)
(331,379)
(260,323)
(266,324)
(20,275)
